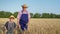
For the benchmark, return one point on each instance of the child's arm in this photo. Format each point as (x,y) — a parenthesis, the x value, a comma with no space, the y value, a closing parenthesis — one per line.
(5,26)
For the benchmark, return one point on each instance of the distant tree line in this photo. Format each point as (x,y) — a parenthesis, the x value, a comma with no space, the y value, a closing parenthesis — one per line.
(4,14)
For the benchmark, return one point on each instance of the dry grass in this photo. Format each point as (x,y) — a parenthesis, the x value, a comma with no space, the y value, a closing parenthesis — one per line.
(39,26)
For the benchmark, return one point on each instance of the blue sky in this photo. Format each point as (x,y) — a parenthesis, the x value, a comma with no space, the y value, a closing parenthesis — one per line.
(34,6)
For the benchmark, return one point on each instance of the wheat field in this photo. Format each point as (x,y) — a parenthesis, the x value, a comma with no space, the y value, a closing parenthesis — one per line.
(36,26)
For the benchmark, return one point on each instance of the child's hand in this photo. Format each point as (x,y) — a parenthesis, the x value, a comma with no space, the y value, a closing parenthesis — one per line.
(5,30)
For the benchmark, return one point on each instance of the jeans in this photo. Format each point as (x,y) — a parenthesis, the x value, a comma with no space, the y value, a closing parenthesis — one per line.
(9,32)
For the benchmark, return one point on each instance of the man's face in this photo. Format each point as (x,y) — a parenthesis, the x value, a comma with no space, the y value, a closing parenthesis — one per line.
(24,8)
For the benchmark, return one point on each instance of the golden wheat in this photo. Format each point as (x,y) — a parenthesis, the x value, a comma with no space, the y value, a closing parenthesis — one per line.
(38,26)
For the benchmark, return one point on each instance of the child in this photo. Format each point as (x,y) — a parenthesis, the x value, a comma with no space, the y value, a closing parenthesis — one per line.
(23,18)
(10,25)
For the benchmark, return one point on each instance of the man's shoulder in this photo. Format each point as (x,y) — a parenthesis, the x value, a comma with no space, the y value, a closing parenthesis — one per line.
(19,11)
(28,12)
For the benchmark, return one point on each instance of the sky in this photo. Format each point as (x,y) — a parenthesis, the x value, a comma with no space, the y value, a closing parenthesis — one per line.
(34,6)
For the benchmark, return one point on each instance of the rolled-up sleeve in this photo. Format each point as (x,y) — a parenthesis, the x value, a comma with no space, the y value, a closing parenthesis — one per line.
(29,15)
(19,15)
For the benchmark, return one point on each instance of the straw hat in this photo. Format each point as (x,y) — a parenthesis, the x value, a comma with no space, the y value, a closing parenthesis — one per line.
(24,6)
(11,17)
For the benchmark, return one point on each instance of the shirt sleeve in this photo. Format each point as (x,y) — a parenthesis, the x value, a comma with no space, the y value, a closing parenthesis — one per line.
(29,15)
(19,15)
(5,24)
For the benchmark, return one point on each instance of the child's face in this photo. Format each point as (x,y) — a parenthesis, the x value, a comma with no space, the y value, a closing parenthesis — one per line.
(11,19)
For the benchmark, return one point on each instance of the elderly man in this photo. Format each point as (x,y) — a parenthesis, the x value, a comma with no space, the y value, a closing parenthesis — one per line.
(23,18)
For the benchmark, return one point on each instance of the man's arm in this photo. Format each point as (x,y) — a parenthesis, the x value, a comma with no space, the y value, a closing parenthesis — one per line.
(29,17)
(18,18)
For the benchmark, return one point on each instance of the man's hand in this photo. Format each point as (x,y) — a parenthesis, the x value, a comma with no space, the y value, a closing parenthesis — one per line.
(18,25)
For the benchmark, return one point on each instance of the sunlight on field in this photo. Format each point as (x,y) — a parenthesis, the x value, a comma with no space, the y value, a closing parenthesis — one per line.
(39,26)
